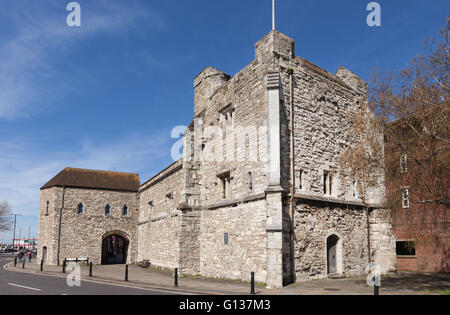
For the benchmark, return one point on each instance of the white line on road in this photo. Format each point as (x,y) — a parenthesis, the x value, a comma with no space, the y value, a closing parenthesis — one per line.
(21,286)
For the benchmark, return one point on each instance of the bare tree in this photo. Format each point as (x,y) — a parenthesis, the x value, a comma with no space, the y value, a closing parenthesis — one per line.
(411,108)
(5,219)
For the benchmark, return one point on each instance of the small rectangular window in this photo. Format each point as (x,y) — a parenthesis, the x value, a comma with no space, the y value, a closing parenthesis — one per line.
(225,239)
(406,248)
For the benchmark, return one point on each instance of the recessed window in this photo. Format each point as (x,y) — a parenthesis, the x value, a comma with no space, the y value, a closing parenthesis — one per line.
(226,239)
(327,183)
(150,209)
(404,164)
(299,180)
(125,211)
(80,208)
(225,185)
(355,189)
(46,210)
(169,203)
(406,248)
(228,114)
(405,198)
(250,181)
(107,210)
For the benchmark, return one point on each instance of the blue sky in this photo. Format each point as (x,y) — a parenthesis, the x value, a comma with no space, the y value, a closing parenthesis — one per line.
(106,95)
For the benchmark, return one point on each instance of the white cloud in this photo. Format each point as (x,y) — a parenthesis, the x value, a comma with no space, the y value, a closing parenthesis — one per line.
(26,168)
(40,37)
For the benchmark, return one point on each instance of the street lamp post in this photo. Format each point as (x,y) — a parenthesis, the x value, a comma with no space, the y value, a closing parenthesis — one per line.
(14,233)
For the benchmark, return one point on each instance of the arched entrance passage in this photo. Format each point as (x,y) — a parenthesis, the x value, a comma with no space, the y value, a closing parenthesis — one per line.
(332,254)
(114,249)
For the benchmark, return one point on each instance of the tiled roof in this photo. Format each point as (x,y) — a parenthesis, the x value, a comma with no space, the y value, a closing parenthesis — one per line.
(91,179)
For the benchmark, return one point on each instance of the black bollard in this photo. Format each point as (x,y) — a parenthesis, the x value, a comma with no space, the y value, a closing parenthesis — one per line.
(90,270)
(23,264)
(15,261)
(64,266)
(176,278)
(42,265)
(126,272)
(252,289)
(376,290)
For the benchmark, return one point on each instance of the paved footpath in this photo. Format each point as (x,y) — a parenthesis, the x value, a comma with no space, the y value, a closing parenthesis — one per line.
(401,284)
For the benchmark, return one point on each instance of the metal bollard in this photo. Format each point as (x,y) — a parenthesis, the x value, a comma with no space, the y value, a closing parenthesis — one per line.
(126,272)
(42,265)
(252,289)
(64,266)
(176,278)
(376,290)
(90,270)
(23,264)
(15,261)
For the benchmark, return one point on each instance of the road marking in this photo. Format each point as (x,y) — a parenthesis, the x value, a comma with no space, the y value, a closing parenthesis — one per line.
(21,286)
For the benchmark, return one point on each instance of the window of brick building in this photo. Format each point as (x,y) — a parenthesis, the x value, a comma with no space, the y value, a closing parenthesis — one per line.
(226,239)
(80,208)
(125,211)
(406,248)
(405,198)
(46,210)
(404,164)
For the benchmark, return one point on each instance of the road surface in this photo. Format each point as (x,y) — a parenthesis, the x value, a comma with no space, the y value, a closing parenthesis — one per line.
(16,283)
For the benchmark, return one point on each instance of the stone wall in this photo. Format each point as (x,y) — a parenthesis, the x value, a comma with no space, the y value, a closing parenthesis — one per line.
(82,234)
(48,223)
(245,225)
(314,223)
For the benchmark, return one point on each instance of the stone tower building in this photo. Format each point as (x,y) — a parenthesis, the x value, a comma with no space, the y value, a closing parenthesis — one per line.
(259,188)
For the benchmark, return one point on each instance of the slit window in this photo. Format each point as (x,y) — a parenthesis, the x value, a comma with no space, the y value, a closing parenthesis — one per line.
(80,208)
(125,211)
(108,210)
(225,185)
(327,183)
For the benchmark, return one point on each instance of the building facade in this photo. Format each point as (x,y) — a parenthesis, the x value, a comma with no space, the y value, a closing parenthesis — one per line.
(259,188)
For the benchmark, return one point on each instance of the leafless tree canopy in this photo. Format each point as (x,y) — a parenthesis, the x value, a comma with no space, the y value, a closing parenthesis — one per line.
(5,219)
(414,107)
(411,108)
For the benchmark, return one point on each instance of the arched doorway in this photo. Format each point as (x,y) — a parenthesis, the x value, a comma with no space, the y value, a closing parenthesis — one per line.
(114,250)
(44,254)
(332,254)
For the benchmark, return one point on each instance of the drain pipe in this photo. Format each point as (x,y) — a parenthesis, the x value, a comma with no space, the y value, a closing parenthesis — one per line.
(291,130)
(60,224)
(363,180)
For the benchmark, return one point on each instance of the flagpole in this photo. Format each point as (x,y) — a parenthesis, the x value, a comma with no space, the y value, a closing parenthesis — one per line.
(273,15)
